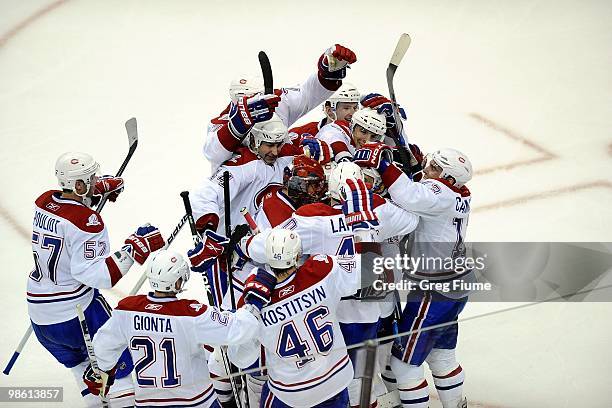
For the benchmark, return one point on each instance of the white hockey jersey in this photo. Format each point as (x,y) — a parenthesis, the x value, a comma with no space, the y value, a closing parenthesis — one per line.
(339,137)
(322,230)
(250,179)
(444,211)
(275,209)
(295,102)
(168,339)
(71,249)
(301,322)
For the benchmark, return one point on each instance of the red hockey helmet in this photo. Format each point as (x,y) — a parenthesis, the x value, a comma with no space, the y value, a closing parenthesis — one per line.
(307,181)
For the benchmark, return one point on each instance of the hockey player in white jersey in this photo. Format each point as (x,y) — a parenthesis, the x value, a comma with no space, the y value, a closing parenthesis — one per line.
(323,230)
(253,171)
(340,106)
(308,365)
(73,260)
(289,103)
(169,338)
(344,137)
(442,200)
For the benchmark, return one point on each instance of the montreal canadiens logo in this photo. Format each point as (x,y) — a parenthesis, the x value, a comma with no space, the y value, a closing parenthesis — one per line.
(243,81)
(461,159)
(74,161)
(173,259)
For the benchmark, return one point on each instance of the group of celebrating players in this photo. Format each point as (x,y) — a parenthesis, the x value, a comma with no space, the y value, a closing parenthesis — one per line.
(323,195)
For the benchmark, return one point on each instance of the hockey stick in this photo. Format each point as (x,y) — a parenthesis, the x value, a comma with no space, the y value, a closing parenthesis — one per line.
(90,351)
(266,71)
(211,301)
(170,239)
(132,132)
(398,135)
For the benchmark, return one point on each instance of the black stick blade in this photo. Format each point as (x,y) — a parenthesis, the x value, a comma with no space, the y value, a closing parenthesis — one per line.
(266,71)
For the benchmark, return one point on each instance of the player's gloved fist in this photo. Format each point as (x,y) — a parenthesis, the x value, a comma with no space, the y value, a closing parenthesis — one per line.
(357,205)
(238,257)
(98,383)
(247,111)
(316,149)
(205,253)
(113,186)
(383,105)
(334,62)
(143,242)
(258,288)
(375,155)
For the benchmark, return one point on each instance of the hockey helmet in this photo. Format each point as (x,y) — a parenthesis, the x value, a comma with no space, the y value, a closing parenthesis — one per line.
(73,166)
(453,163)
(283,248)
(165,268)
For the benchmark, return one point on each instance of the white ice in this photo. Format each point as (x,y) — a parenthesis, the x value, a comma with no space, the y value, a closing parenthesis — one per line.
(539,70)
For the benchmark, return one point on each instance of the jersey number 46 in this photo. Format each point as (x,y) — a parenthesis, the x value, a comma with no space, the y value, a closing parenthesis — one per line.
(321,333)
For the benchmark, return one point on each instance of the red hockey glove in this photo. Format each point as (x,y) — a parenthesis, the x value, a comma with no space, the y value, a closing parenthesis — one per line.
(145,240)
(98,383)
(334,62)
(113,186)
(357,206)
(375,155)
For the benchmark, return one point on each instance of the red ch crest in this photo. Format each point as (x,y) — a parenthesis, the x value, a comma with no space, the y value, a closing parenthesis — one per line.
(74,161)
(243,81)
(173,259)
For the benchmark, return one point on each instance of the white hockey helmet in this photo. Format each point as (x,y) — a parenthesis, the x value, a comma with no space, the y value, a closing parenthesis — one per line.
(245,86)
(283,248)
(346,93)
(339,175)
(454,164)
(164,270)
(73,166)
(370,120)
(270,131)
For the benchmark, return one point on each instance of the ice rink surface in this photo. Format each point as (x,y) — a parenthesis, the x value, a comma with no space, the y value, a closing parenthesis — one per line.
(523,88)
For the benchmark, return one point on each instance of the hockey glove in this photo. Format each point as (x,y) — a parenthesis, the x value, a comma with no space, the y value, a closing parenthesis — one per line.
(375,155)
(258,288)
(98,383)
(205,253)
(383,105)
(247,111)
(333,64)
(145,240)
(113,186)
(357,205)
(316,149)
(238,257)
